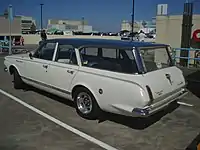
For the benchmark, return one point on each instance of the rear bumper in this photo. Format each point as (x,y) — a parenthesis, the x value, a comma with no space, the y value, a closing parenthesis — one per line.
(151,109)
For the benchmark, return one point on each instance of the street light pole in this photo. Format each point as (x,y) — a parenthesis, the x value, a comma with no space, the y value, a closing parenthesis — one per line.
(83,23)
(10,38)
(132,22)
(186,31)
(41,16)
(10,18)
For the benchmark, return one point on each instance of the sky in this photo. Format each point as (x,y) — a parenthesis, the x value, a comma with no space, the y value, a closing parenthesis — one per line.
(103,15)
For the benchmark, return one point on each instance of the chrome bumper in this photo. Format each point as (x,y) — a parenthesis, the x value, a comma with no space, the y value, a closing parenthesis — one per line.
(151,109)
(5,69)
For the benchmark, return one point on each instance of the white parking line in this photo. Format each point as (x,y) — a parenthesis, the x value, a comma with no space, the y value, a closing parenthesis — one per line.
(62,124)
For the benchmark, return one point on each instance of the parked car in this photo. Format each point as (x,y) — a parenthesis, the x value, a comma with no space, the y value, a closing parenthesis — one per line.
(129,78)
(125,37)
(17,42)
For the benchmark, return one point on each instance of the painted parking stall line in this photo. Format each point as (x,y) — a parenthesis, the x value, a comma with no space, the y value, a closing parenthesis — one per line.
(60,123)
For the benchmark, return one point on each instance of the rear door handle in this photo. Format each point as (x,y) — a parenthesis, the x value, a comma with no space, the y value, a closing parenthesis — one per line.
(70,71)
(19,61)
(45,66)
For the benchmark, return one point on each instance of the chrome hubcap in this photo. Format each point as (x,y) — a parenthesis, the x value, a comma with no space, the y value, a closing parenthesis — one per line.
(84,103)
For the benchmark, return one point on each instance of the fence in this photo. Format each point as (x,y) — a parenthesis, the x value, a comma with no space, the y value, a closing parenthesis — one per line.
(192,55)
(4,44)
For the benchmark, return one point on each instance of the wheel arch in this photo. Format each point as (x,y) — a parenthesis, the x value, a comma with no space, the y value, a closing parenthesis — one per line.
(86,87)
(11,69)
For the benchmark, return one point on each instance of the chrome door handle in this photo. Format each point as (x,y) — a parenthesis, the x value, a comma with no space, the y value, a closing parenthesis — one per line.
(45,66)
(70,71)
(19,61)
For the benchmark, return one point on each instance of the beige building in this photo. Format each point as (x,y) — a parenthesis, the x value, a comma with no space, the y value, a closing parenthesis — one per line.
(126,25)
(15,26)
(169,29)
(68,22)
(26,23)
(69,25)
(19,25)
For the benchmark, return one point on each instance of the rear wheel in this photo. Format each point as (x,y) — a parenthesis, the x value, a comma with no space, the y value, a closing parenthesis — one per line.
(18,83)
(86,105)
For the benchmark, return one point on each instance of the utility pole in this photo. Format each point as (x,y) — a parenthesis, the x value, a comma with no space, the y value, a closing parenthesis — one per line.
(83,23)
(186,31)
(132,22)
(10,17)
(41,16)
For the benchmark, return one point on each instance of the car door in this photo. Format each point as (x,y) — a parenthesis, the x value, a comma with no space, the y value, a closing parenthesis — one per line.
(37,66)
(64,68)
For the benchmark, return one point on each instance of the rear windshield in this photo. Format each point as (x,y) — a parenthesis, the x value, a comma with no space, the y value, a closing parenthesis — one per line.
(155,58)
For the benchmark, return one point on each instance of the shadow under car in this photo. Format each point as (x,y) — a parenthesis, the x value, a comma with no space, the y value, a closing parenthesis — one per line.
(134,123)
(193,85)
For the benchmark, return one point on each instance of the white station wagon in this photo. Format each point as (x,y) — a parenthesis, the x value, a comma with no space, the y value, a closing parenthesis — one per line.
(129,78)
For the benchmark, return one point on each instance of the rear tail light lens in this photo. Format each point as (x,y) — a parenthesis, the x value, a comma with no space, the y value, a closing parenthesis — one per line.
(149,93)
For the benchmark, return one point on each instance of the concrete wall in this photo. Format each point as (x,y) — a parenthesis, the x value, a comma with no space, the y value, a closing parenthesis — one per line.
(34,39)
(169,28)
(4,26)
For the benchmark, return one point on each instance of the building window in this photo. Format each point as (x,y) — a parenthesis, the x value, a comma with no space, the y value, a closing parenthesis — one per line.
(26,21)
(71,27)
(26,25)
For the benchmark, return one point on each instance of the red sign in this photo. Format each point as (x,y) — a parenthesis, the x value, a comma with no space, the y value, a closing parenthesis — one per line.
(196,35)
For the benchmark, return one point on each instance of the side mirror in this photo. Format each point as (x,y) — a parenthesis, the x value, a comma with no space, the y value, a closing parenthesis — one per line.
(31,55)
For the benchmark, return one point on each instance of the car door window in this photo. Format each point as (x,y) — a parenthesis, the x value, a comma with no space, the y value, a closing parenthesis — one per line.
(66,54)
(45,51)
(111,59)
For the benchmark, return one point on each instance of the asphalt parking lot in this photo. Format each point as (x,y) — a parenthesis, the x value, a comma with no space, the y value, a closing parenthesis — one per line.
(22,129)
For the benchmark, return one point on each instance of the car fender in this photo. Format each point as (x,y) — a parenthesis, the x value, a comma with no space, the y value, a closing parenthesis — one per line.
(74,85)
(9,63)
(13,65)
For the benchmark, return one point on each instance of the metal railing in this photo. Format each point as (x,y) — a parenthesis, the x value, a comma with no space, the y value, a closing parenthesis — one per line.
(4,44)
(188,58)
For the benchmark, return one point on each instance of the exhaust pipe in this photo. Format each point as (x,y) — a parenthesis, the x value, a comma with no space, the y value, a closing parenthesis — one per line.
(6,69)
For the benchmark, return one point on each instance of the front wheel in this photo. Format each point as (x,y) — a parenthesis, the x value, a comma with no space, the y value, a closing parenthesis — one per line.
(86,105)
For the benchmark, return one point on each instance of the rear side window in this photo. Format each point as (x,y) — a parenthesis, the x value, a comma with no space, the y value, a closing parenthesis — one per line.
(109,58)
(155,58)
(109,53)
(90,51)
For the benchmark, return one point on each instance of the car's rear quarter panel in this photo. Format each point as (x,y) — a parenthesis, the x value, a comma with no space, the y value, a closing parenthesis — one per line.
(119,93)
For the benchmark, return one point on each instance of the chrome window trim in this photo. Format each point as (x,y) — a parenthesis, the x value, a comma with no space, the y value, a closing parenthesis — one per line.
(78,57)
(138,60)
(169,48)
(55,52)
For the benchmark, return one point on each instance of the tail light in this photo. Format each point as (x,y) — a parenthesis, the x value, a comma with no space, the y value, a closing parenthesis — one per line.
(150,94)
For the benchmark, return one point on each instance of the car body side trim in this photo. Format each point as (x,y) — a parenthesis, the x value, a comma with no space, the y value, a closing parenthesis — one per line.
(46,85)
(111,77)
